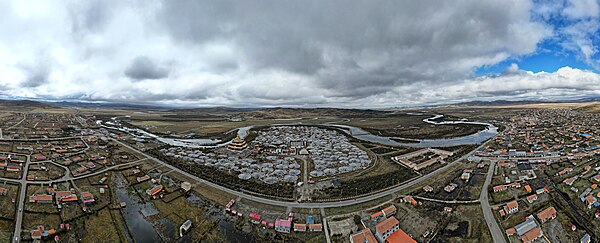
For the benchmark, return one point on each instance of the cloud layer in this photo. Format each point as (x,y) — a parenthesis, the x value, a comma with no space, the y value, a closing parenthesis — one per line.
(306,53)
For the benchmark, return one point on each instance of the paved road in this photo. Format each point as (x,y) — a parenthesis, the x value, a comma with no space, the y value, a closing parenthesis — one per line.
(21,198)
(306,204)
(488,214)
(18,123)
(447,201)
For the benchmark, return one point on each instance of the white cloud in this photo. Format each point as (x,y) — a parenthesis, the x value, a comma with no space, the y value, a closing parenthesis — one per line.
(577,9)
(354,53)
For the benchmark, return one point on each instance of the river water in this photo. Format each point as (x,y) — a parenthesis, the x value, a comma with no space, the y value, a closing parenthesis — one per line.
(358,133)
(476,138)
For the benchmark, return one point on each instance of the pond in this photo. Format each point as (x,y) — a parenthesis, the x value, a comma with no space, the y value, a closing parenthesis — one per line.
(141,229)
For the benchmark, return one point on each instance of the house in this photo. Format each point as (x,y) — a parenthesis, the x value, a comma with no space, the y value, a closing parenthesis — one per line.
(569,181)
(363,236)
(384,229)
(410,199)
(142,178)
(529,230)
(315,227)
(13,168)
(255,218)
(596,178)
(37,234)
(40,199)
(427,188)
(547,214)
(400,237)
(586,238)
(87,197)
(283,225)
(59,195)
(450,187)
(531,198)
(389,211)
(186,186)
(70,198)
(377,215)
(300,227)
(3,191)
(532,235)
(528,189)
(511,207)
(465,176)
(589,201)
(154,191)
(541,190)
(500,188)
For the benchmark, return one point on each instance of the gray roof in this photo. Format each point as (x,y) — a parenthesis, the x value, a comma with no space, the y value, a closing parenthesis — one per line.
(526,226)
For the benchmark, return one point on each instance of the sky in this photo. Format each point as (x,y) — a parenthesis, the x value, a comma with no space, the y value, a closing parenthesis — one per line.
(307,53)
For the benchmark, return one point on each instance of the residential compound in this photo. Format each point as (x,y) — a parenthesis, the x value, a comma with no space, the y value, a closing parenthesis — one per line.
(548,159)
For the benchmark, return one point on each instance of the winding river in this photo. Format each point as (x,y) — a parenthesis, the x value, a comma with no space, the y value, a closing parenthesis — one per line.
(358,133)
(475,138)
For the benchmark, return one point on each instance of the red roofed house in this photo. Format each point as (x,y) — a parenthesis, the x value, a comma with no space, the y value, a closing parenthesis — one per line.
(400,237)
(255,218)
(363,236)
(41,199)
(154,191)
(283,225)
(315,227)
(389,211)
(70,198)
(528,188)
(87,197)
(377,215)
(590,200)
(532,235)
(384,229)
(531,198)
(300,227)
(511,207)
(547,214)
(500,188)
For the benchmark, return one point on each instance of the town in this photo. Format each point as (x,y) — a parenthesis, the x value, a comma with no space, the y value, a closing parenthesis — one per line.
(535,180)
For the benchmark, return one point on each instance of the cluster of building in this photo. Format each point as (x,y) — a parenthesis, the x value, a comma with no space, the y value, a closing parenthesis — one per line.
(10,162)
(422,158)
(283,225)
(59,197)
(530,230)
(270,169)
(331,152)
(386,231)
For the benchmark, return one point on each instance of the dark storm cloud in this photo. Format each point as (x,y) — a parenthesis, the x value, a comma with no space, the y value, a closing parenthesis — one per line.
(356,46)
(142,68)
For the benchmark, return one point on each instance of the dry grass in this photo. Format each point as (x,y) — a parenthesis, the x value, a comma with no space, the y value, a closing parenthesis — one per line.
(101,228)
(213,194)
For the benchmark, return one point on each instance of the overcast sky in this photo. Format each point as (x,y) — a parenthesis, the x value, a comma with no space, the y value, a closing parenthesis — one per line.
(299,53)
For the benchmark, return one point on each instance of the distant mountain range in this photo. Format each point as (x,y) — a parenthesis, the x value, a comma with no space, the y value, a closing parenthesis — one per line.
(260,111)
